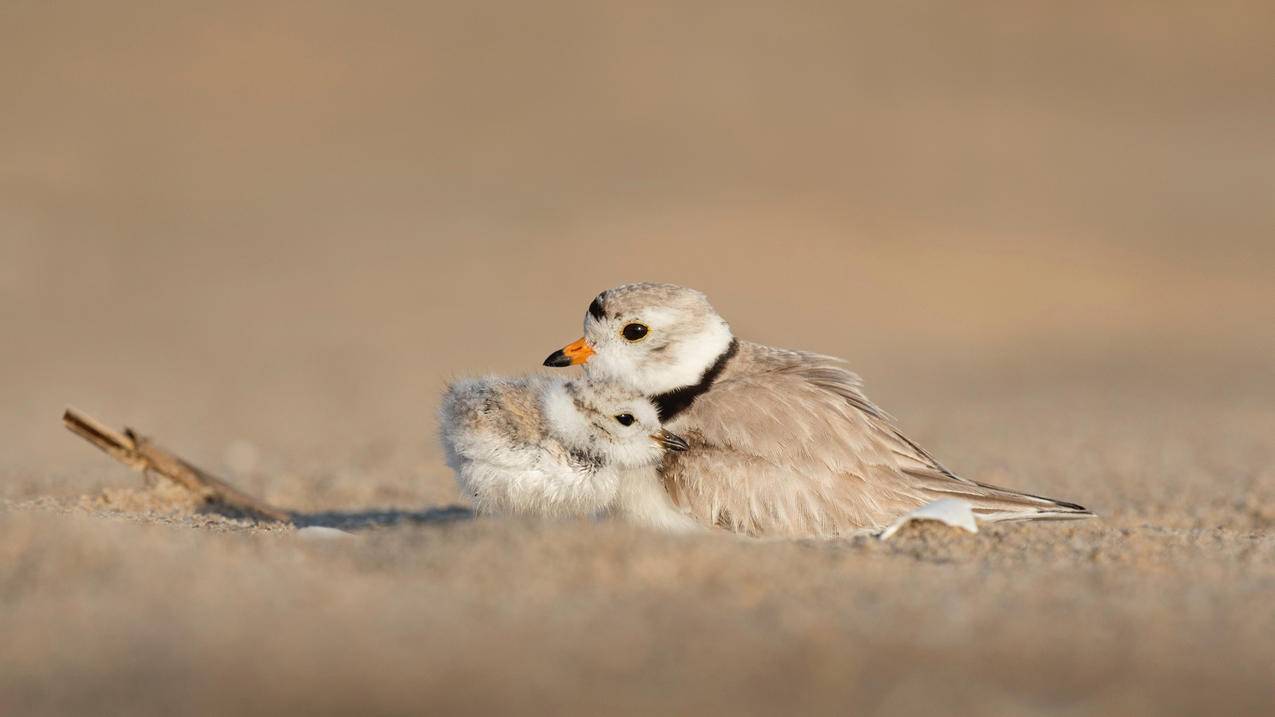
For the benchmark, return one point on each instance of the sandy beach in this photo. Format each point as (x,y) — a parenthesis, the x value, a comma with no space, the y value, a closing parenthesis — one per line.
(269,235)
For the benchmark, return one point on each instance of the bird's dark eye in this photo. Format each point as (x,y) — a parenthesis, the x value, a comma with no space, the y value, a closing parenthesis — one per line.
(635,332)
(625,419)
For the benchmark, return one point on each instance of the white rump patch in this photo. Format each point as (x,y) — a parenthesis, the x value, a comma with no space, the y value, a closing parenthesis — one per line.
(949,511)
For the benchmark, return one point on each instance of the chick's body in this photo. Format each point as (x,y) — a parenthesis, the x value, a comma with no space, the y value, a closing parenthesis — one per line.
(508,461)
(551,448)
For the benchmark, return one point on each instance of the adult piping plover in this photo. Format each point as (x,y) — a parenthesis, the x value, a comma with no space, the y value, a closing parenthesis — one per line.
(552,448)
(782,443)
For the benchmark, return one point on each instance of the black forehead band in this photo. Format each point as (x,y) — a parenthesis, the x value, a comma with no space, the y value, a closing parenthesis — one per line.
(595,309)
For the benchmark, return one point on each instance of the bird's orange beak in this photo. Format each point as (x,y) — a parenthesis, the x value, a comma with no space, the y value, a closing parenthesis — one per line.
(571,355)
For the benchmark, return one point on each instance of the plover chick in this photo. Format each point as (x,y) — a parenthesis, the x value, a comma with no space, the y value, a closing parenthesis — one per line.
(782,443)
(546,447)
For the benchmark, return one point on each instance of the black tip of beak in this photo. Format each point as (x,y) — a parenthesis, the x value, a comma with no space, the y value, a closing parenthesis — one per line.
(674,442)
(558,359)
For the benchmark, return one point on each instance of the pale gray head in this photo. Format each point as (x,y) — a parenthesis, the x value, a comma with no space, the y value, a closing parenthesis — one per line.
(608,423)
(653,338)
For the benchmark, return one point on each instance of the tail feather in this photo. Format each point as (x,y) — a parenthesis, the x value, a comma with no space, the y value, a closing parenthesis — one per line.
(992,504)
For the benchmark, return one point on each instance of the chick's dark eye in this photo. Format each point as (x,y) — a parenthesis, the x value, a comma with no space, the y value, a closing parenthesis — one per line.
(625,419)
(635,332)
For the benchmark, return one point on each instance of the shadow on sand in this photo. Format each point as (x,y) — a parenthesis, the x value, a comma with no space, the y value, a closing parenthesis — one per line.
(353,520)
(363,519)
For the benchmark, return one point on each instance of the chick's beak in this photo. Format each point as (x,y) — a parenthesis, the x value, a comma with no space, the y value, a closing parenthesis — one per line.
(572,355)
(671,441)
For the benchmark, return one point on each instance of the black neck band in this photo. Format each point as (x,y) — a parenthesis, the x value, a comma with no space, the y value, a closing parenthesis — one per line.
(679,399)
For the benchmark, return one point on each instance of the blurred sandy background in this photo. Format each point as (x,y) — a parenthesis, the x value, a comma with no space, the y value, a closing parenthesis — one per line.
(269,233)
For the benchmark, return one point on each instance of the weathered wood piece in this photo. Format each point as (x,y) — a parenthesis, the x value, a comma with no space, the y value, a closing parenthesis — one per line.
(140,454)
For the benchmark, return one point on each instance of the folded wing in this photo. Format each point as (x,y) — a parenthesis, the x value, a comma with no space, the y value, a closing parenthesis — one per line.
(792,447)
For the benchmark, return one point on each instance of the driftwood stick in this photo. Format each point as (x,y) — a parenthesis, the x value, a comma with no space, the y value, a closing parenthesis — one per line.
(141,454)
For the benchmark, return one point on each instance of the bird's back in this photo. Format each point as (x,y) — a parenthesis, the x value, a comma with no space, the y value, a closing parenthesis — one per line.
(493,425)
(502,409)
